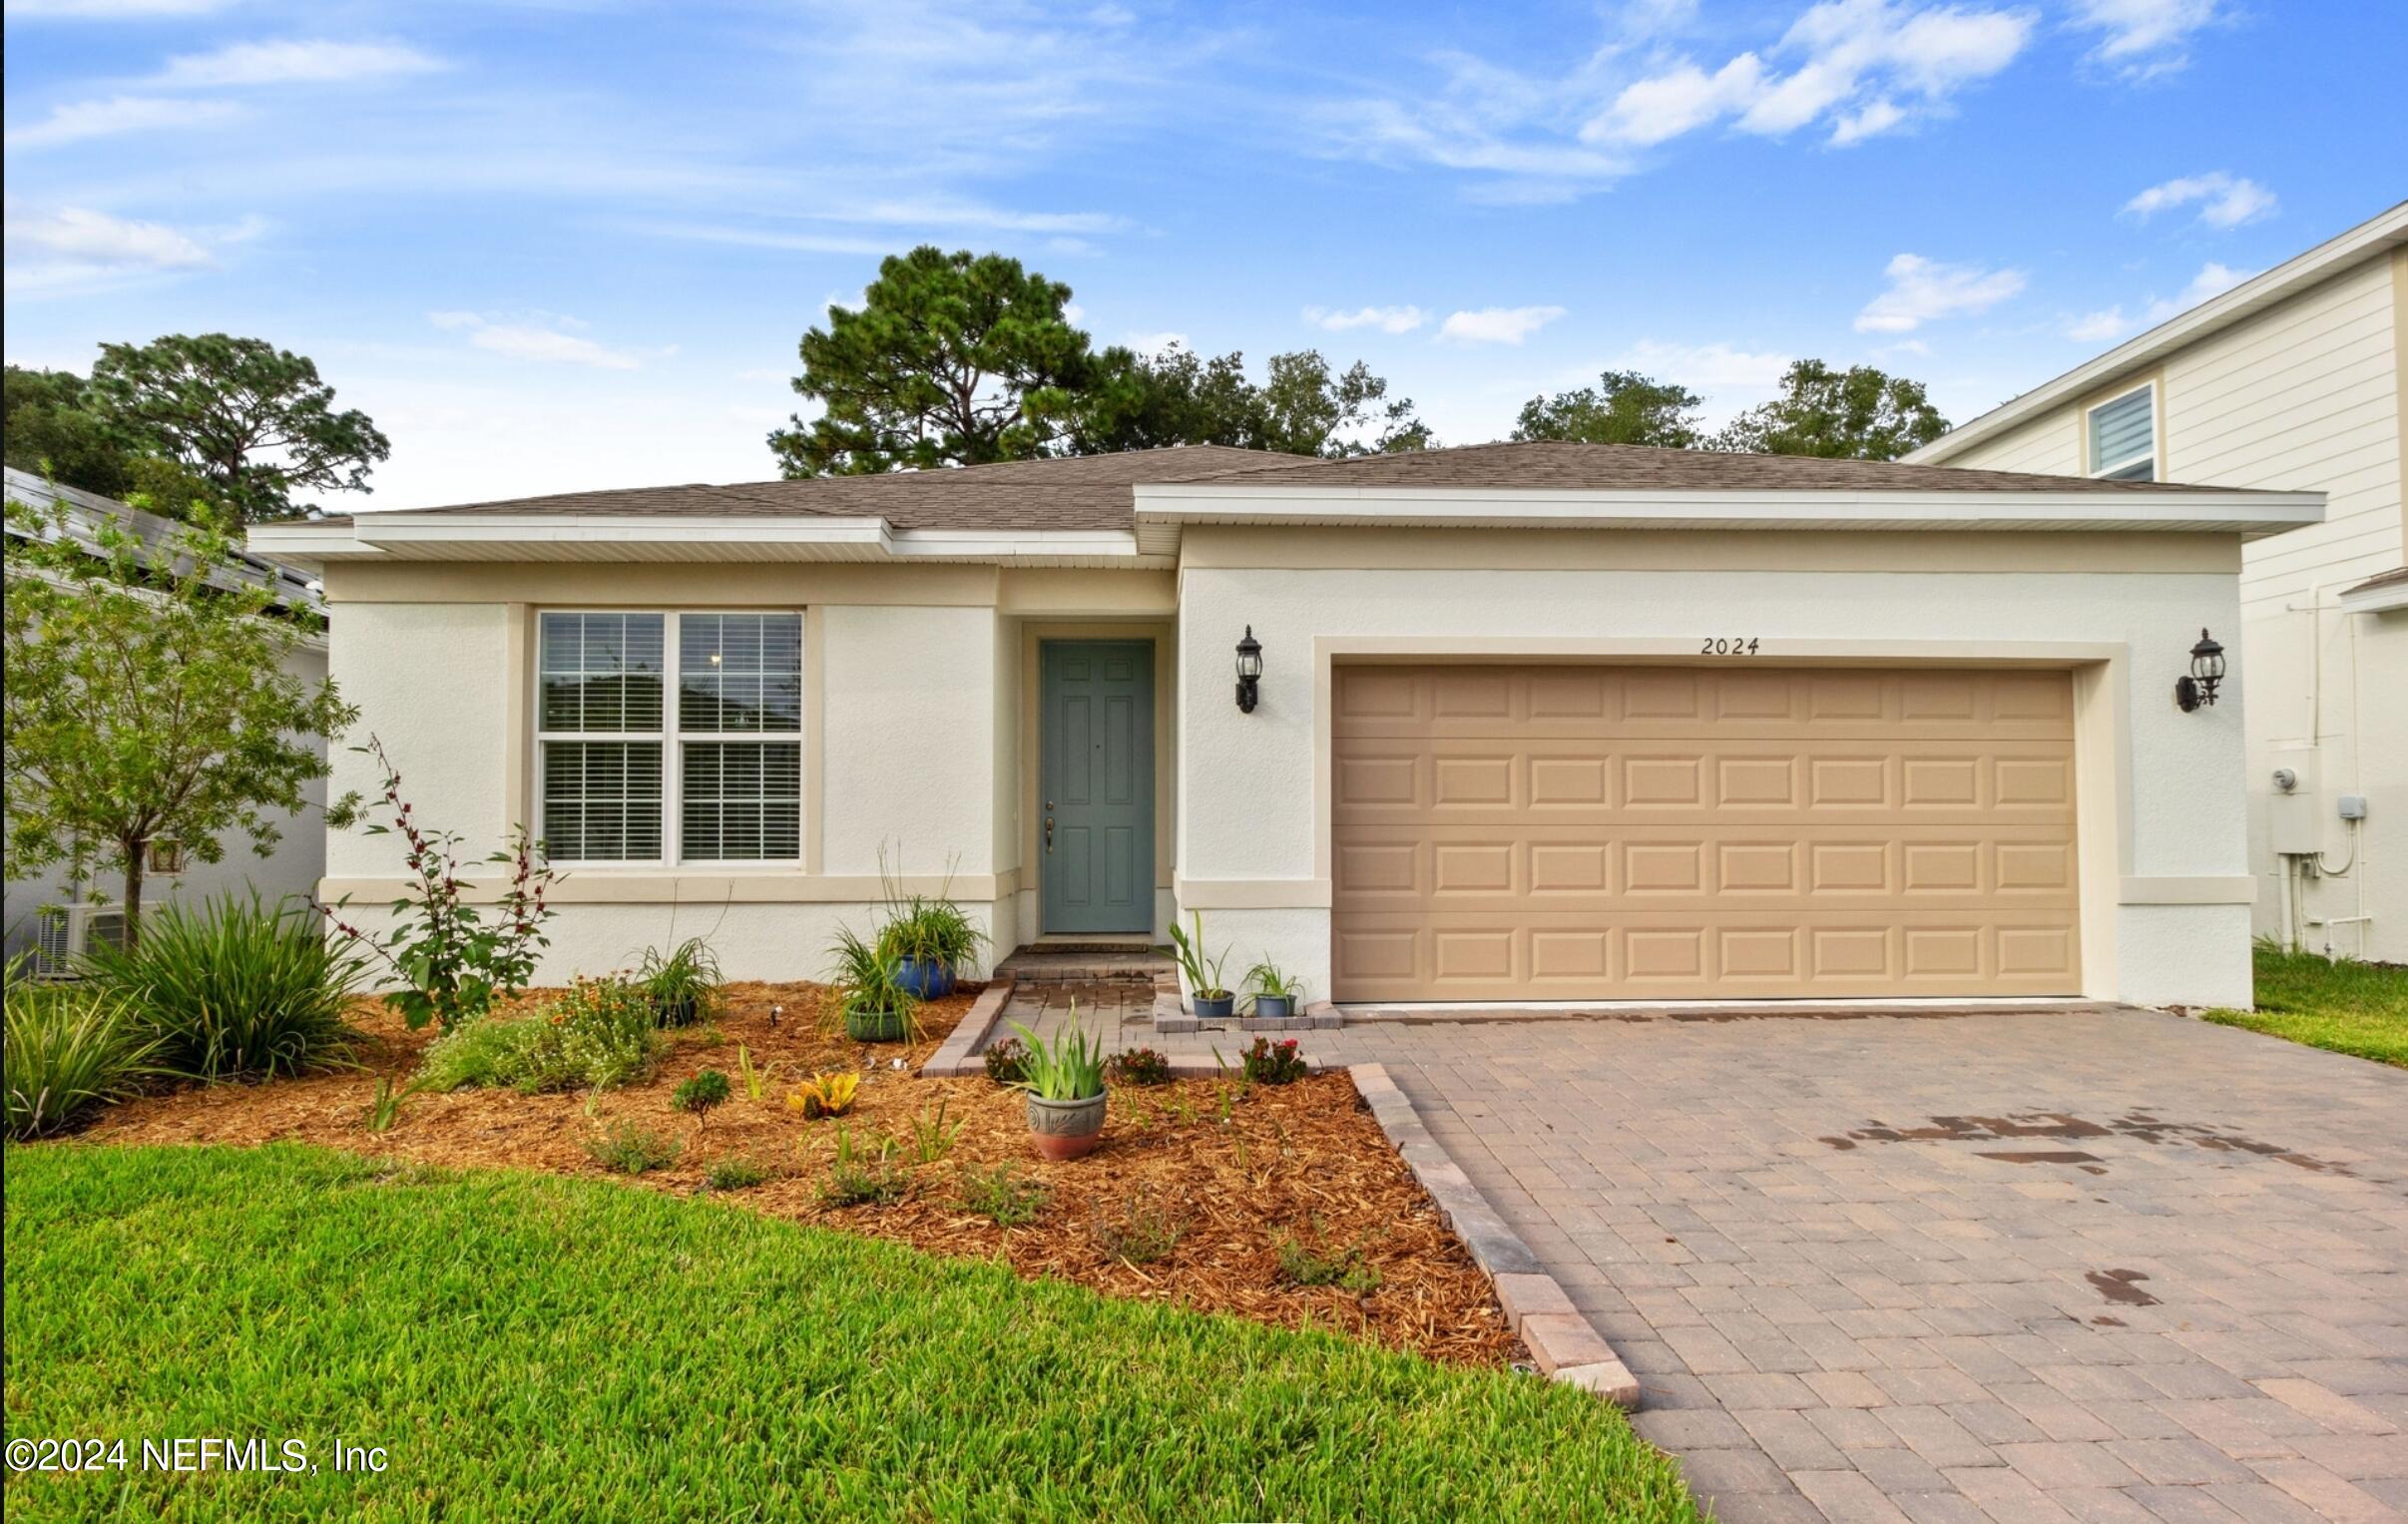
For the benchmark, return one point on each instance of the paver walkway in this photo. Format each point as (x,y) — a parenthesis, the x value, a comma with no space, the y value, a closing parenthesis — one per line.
(2083,1264)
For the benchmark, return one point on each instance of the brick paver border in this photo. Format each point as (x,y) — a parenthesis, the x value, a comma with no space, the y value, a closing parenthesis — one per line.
(1561,1341)
(959,1054)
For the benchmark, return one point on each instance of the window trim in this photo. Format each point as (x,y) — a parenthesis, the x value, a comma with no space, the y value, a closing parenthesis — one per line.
(671,737)
(2157,436)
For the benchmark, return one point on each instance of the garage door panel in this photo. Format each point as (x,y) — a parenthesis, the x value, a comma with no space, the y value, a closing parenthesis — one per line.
(1562,832)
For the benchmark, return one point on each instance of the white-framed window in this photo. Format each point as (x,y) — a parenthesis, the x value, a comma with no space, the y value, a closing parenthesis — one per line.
(2121,436)
(162,857)
(631,769)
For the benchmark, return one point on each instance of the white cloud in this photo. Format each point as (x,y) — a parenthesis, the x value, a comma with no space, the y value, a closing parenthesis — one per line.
(1714,368)
(2144,38)
(963,213)
(79,121)
(2224,200)
(2214,279)
(296,62)
(1922,291)
(1395,319)
(72,248)
(1156,344)
(530,341)
(1869,65)
(1497,325)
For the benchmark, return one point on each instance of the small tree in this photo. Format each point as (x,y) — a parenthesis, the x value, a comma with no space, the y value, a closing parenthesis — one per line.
(148,699)
(252,422)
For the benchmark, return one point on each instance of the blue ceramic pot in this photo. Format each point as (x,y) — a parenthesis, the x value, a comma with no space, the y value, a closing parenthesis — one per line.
(1215,1010)
(926,981)
(1274,1007)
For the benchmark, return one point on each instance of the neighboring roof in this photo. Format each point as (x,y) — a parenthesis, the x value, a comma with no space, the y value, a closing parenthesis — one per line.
(292,587)
(1558,466)
(2385,231)
(1116,509)
(2376,594)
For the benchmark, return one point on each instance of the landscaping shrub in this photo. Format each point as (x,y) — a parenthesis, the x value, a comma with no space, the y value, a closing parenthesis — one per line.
(1008,1062)
(1139,1065)
(632,1148)
(733,1174)
(1347,1269)
(1000,1194)
(236,989)
(929,929)
(598,1035)
(66,1050)
(932,1137)
(864,1177)
(683,985)
(1145,1232)
(1275,1063)
(825,1095)
(700,1094)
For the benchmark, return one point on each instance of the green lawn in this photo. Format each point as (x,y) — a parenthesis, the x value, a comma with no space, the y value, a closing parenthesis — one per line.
(2356,1008)
(528,1346)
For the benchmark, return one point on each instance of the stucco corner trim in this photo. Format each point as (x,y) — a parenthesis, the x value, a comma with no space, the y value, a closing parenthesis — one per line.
(1251,893)
(2192,889)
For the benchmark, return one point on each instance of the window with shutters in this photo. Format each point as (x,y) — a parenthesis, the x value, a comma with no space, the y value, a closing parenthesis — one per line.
(2124,436)
(635,767)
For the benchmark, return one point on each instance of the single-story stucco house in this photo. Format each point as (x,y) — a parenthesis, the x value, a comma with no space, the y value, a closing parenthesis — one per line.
(1534,722)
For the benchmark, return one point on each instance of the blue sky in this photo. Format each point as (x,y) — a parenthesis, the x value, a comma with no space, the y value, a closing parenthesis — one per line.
(555,246)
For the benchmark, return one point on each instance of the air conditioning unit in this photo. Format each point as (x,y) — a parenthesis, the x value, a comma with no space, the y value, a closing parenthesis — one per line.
(65,934)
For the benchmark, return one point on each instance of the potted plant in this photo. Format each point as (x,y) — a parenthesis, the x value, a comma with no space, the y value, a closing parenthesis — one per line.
(1064,1080)
(1212,1000)
(683,986)
(878,1008)
(1275,993)
(930,939)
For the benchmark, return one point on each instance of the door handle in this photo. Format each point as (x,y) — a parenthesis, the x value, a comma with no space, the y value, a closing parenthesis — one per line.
(1049,835)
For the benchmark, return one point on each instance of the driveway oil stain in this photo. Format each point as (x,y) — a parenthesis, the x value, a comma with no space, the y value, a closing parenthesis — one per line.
(2062,1126)
(2122,1288)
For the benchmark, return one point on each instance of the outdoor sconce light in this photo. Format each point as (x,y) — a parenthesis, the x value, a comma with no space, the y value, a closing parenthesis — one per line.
(2197,686)
(1249,670)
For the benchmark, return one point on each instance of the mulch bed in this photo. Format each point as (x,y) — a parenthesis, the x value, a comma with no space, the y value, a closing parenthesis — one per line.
(1235,1168)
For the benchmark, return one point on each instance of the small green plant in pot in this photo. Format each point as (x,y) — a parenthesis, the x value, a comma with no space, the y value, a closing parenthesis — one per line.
(930,939)
(1065,1084)
(877,1007)
(681,984)
(1277,994)
(1211,999)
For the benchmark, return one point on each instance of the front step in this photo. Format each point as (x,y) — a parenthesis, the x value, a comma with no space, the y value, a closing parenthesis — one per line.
(1088,963)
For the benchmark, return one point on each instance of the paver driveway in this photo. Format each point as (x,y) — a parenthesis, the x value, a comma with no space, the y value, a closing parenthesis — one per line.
(2098,1264)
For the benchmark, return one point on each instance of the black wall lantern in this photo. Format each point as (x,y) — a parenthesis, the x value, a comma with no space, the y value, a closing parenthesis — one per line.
(2197,686)
(1249,670)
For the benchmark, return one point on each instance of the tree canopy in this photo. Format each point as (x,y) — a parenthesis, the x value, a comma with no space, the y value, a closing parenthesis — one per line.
(951,359)
(1624,407)
(1860,413)
(962,360)
(149,697)
(252,422)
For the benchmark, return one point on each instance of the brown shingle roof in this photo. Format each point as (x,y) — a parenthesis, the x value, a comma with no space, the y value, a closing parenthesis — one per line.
(2396,577)
(1094,491)
(1564,466)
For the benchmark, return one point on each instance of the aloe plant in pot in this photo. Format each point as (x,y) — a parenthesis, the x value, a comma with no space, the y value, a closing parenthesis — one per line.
(1064,1080)
(877,1007)
(1202,971)
(1275,993)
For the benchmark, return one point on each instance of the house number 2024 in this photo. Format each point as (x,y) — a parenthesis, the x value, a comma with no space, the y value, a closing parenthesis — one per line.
(1734,644)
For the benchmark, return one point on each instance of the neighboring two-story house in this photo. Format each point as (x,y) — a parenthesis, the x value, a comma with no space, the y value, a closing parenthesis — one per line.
(2296,380)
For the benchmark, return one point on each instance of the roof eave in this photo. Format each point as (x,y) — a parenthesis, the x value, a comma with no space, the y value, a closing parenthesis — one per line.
(455,536)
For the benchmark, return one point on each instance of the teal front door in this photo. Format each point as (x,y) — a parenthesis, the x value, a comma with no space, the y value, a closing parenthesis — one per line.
(1095,748)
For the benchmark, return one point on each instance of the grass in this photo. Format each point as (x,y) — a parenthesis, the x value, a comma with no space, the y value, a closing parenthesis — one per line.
(531,1346)
(2360,1009)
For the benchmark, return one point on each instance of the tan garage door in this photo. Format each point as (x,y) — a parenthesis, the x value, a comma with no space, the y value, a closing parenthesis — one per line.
(1552,832)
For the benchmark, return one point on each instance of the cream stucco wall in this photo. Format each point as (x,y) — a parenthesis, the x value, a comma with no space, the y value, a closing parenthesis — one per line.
(2307,394)
(2162,816)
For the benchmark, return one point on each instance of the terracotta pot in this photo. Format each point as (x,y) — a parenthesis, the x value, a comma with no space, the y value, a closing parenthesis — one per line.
(1066,1128)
